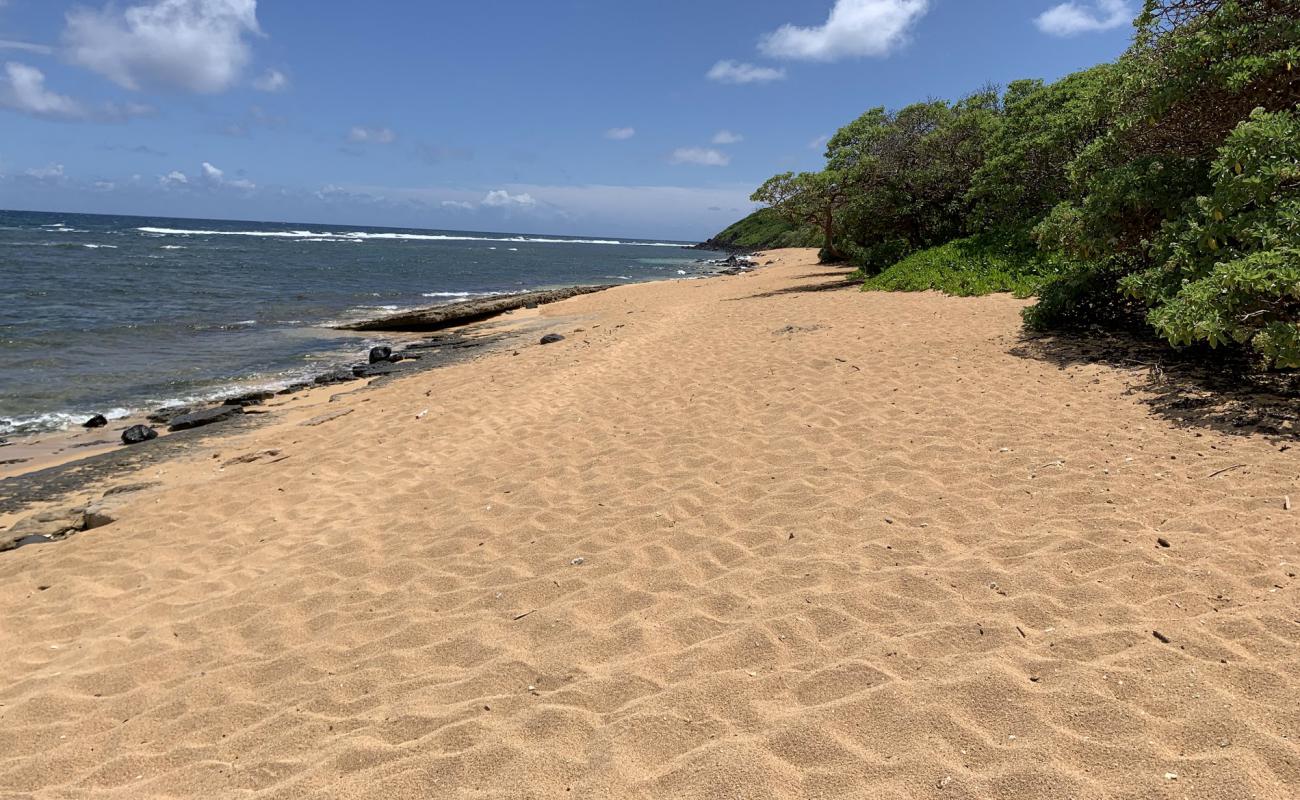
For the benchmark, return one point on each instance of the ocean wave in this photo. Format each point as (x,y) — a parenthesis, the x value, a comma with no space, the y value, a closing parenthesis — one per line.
(362,236)
(55,420)
(461,294)
(101,246)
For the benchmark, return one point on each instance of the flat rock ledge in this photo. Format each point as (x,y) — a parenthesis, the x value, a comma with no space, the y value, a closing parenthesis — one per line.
(452,314)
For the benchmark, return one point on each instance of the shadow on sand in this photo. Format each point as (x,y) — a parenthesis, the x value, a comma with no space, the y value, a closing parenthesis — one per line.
(845,281)
(1191,388)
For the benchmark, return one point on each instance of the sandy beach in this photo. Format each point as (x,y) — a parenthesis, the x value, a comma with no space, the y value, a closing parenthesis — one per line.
(756,536)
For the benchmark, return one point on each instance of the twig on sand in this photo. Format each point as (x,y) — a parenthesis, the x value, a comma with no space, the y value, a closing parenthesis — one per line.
(1225,469)
(1160,636)
(526,613)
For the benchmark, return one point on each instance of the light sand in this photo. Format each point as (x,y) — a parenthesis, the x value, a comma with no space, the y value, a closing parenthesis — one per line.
(690,552)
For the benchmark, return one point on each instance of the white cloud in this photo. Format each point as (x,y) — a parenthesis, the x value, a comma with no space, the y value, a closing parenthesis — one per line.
(174,178)
(500,198)
(22,88)
(273,80)
(819,143)
(1073,18)
(53,172)
(620,134)
(735,72)
(702,156)
(360,135)
(217,178)
(195,45)
(458,205)
(727,137)
(27,47)
(854,28)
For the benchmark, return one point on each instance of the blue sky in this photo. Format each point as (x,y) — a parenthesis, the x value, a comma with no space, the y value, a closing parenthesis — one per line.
(611,117)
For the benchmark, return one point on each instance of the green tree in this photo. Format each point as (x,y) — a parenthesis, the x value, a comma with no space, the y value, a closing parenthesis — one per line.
(811,198)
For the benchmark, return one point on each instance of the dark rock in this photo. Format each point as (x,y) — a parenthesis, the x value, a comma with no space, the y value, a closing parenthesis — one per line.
(552,338)
(404,356)
(294,387)
(97,421)
(205,417)
(339,375)
(381,368)
(380,353)
(250,399)
(168,413)
(476,310)
(138,433)
(9,462)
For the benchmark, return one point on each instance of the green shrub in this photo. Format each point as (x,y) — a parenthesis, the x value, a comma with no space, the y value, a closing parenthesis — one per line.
(1228,272)
(976,265)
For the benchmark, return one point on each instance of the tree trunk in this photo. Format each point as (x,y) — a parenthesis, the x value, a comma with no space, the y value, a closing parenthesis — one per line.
(830,254)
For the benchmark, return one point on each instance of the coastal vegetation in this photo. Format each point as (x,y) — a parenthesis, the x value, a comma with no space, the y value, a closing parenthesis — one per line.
(1161,190)
(764,229)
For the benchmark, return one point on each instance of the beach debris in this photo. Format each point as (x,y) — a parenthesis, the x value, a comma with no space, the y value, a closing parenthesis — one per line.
(552,338)
(1161,637)
(97,421)
(207,416)
(138,433)
(323,418)
(578,562)
(422,414)
(791,329)
(518,617)
(380,353)
(1286,503)
(1171,776)
(249,458)
(1226,469)
(1163,542)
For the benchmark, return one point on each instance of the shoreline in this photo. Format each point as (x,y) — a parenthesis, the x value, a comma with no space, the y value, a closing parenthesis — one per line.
(408,330)
(758,530)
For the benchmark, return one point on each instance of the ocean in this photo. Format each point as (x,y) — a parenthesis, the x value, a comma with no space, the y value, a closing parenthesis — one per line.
(114,315)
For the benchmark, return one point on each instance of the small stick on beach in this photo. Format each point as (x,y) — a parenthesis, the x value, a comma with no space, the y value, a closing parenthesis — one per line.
(1225,469)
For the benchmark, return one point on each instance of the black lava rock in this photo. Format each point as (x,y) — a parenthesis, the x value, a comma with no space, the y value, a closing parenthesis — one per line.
(97,421)
(380,353)
(250,399)
(138,433)
(552,338)
(165,415)
(339,375)
(205,417)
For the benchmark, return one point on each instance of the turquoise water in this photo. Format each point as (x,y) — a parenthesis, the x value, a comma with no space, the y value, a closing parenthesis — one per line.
(108,315)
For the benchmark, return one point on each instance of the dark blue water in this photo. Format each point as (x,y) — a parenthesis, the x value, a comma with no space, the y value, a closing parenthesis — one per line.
(107,315)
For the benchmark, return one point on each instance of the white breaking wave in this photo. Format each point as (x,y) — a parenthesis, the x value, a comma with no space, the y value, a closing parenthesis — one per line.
(361,236)
(101,246)
(461,294)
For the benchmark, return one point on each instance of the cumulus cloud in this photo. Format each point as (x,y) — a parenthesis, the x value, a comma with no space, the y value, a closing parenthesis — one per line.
(854,28)
(22,88)
(458,205)
(209,177)
(702,156)
(819,143)
(194,45)
(736,72)
(362,135)
(727,137)
(1073,18)
(273,80)
(500,198)
(620,134)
